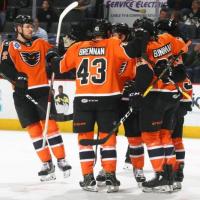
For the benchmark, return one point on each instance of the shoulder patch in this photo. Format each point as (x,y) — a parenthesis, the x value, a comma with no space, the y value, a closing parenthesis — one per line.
(16,45)
(30,58)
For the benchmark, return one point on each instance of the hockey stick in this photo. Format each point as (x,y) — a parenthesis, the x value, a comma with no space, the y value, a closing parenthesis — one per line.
(62,15)
(86,142)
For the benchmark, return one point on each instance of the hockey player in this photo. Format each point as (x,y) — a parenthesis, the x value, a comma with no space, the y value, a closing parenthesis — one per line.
(97,97)
(135,151)
(171,26)
(23,61)
(157,108)
(177,136)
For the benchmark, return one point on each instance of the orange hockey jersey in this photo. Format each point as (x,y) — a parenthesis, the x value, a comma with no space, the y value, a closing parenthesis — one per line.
(30,60)
(97,66)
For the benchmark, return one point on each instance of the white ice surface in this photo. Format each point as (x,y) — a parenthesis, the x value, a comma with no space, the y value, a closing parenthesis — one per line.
(19,165)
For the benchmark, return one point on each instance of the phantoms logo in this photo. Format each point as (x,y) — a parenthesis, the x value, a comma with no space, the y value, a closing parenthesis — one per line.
(134,5)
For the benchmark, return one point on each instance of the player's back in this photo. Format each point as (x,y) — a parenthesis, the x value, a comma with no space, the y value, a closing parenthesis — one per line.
(97,65)
(163,49)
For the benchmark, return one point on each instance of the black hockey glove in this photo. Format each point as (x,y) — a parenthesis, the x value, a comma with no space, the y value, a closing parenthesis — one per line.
(159,67)
(21,84)
(53,53)
(183,108)
(178,73)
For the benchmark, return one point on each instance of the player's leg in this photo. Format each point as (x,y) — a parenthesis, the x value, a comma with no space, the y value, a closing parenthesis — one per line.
(105,120)
(28,117)
(55,141)
(83,124)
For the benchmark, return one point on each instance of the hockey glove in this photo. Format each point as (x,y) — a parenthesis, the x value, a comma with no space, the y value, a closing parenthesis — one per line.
(160,67)
(53,53)
(21,84)
(178,73)
(183,108)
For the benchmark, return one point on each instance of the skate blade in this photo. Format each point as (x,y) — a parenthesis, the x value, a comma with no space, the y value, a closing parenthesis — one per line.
(111,188)
(90,188)
(48,177)
(159,189)
(66,173)
(101,183)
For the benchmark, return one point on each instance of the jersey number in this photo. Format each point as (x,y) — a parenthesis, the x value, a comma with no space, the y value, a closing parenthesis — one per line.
(83,72)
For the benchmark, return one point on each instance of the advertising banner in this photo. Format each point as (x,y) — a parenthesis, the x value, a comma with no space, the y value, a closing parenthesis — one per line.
(63,95)
(64,92)
(128,11)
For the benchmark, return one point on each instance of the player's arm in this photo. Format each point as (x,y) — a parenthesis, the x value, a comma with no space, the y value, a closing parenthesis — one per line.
(7,66)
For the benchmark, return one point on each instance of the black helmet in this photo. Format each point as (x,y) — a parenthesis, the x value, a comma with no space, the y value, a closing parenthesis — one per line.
(145,24)
(23,19)
(166,25)
(121,28)
(102,28)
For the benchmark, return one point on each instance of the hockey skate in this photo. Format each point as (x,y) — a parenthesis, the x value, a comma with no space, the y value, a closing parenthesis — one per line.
(88,183)
(47,172)
(139,176)
(112,183)
(163,181)
(101,178)
(178,178)
(64,166)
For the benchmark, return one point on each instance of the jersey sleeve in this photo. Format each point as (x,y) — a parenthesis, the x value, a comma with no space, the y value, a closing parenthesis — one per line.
(7,67)
(46,45)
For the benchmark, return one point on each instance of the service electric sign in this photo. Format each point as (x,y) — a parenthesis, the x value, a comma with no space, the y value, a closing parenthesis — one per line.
(129,10)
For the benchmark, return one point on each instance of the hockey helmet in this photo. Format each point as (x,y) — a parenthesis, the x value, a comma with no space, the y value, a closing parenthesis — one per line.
(121,28)
(23,19)
(102,28)
(145,24)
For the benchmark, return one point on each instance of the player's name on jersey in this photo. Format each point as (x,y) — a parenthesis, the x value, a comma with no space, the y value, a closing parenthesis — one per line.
(93,51)
(162,50)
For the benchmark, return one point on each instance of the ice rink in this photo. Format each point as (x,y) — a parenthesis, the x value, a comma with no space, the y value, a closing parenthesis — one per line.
(19,167)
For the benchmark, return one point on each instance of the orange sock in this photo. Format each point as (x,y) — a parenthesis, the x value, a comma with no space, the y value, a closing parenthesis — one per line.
(55,139)
(35,132)
(167,143)
(155,149)
(86,154)
(136,152)
(108,153)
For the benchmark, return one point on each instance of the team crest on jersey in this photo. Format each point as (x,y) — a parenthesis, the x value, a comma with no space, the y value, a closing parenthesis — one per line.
(16,45)
(31,59)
